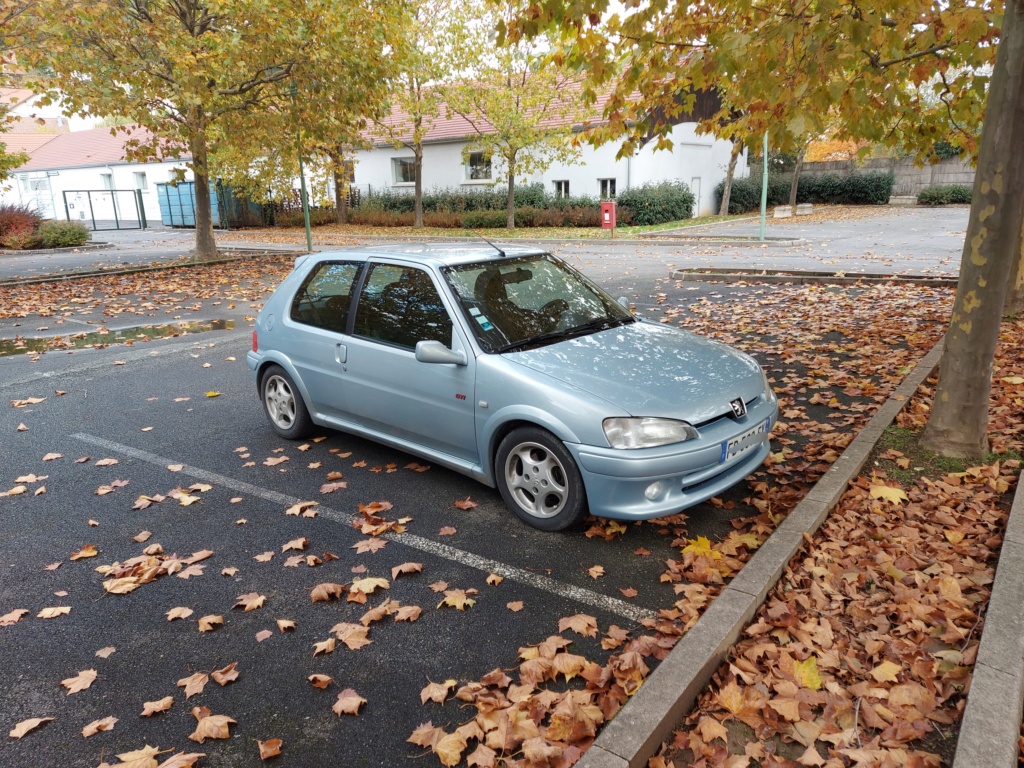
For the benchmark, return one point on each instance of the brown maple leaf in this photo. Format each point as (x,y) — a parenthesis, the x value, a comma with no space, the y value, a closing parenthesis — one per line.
(269,748)
(250,601)
(348,703)
(327,591)
(226,675)
(79,682)
(194,683)
(151,708)
(580,624)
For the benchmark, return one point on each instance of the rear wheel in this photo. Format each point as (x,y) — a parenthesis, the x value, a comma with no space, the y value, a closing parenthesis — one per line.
(538,479)
(283,404)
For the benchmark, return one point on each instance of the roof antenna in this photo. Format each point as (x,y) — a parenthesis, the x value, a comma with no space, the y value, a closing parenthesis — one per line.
(500,252)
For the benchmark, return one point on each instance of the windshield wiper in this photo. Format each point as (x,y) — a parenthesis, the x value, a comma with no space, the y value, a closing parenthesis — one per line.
(599,324)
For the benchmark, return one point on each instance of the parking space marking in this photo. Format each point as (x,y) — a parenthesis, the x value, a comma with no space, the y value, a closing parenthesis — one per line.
(444,551)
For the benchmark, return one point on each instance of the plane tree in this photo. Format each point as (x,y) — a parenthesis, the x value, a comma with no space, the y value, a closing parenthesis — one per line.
(178,68)
(903,73)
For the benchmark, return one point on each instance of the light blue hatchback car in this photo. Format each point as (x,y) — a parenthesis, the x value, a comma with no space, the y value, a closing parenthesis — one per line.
(507,365)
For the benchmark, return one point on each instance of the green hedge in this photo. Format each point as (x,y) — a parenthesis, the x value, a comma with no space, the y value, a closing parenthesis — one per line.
(63,234)
(458,200)
(527,216)
(945,194)
(871,188)
(657,203)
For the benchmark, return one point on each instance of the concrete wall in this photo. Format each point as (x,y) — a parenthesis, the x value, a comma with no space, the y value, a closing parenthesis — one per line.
(43,191)
(699,161)
(909,179)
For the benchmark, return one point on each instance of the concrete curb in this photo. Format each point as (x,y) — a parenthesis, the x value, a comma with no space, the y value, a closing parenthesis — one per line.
(995,704)
(647,720)
(248,255)
(71,249)
(799,277)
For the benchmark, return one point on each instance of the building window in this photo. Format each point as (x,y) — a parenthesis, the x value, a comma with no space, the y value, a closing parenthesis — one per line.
(108,180)
(607,189)
(404,170)
(140,180)
(561,189)
(478,167)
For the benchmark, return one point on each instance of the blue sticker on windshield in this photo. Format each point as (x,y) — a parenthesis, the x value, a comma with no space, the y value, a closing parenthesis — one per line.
(484,322)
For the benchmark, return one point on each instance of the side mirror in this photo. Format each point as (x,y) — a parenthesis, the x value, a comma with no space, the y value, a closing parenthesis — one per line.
(436,352)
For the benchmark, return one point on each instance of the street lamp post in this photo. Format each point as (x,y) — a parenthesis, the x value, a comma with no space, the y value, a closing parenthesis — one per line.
(302,171)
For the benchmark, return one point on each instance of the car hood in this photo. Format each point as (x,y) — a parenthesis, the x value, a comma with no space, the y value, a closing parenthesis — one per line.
(651,370)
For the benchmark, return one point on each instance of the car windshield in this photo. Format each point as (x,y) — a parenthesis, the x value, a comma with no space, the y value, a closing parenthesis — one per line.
(519,303)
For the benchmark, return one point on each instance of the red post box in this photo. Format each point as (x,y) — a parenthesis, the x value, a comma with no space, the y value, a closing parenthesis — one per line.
(608,214)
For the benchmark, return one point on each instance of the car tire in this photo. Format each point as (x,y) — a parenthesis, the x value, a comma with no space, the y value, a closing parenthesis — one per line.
(538,479)
(283,404)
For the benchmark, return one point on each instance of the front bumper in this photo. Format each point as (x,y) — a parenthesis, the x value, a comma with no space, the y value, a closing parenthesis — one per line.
(688,473)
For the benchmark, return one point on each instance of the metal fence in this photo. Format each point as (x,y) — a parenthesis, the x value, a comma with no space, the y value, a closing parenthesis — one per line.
(105,209)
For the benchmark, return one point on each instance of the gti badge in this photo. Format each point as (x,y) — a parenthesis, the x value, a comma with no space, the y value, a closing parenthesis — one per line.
(739,408)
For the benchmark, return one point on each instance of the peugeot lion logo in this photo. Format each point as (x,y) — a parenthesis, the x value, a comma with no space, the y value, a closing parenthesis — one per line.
(739,408)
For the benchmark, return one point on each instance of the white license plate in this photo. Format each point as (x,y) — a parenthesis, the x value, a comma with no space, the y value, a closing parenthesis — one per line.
(736,446)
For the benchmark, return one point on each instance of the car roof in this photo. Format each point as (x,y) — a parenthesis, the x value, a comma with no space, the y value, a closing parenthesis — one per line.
(436,254)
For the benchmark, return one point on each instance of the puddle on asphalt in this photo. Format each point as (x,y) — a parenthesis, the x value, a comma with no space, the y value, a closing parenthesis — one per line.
(104,338)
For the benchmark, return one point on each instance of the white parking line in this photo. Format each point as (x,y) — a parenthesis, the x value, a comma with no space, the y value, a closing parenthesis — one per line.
(444,551)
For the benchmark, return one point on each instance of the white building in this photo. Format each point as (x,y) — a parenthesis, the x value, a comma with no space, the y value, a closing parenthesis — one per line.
(698,161)
(60,173)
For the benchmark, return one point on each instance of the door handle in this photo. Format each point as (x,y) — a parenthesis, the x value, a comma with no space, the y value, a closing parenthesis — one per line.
(340,353)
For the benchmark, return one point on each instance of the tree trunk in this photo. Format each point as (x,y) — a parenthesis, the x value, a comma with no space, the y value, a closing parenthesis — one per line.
(796,177)
(206,245)
(959,419)
(737,147)
(511,206)
(417,164)
(1014,305)
(340,187)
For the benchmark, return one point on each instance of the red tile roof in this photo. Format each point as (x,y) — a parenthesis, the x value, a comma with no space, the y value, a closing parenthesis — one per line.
(80,149)
(455,127)
(10,97)
(25,142)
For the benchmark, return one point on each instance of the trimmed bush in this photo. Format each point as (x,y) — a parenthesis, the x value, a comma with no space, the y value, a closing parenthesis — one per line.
(657,203)
(746,193)
(872,188)
(945,194)
(63,234)
(484,219)
(18,227)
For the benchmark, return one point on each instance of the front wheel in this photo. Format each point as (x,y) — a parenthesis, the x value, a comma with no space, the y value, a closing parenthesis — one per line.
(538,479)
(283,404)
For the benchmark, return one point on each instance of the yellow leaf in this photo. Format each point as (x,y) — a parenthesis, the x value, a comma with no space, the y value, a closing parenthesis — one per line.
(890,494)
(213,394)
(806,673)
(885,672)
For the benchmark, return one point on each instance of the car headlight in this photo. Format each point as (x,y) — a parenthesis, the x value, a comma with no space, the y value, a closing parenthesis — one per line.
(647,432)
(769,393)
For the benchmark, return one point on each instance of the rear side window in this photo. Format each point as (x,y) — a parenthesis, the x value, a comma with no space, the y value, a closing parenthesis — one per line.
(400,305)
(323,298)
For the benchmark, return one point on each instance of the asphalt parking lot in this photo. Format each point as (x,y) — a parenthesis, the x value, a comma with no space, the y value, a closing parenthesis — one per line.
(148,407)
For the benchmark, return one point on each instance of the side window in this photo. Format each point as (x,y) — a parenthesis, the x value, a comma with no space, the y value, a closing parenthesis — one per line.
(401,306)
(323,298)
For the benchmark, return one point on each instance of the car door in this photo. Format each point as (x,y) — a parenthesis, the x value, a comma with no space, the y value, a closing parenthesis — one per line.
(317,318)
(387,389)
